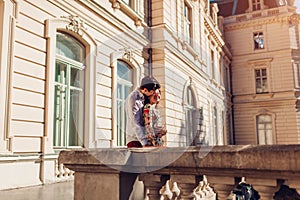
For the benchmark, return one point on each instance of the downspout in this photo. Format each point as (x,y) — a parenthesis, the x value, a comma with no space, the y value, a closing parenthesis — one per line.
(149,22)
(234,7)
(232,108)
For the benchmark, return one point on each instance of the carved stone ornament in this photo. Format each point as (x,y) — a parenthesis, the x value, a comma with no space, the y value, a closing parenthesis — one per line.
(76,25)
(128,54)
(115,4)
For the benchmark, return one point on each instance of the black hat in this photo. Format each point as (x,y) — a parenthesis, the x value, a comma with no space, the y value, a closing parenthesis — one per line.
(150,83)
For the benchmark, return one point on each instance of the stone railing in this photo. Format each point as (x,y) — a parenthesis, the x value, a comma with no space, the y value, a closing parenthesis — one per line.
(184,173)
(260,13)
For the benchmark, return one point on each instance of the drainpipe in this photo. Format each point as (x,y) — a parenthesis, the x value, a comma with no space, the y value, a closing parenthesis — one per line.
(232,108)
(234,7)
(149,22)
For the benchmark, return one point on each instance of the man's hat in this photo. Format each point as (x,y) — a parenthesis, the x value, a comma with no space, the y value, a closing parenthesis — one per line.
(148,80)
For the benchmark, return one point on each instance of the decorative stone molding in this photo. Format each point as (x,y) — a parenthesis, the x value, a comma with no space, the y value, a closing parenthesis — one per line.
(213,32)
(250,19)
(294,19)
(76,24)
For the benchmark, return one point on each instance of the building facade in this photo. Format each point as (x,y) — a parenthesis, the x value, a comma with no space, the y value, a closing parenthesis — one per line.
(263,37)
(68,66)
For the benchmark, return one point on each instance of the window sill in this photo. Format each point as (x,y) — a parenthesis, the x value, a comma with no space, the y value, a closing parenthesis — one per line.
(265,94)
(189,48)
(119,5)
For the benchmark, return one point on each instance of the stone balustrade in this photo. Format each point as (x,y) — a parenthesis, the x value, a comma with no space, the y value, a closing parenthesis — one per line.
(259,13)
(183,173)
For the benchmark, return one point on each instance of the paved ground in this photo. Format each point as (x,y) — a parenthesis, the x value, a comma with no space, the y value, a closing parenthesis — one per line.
(57,191)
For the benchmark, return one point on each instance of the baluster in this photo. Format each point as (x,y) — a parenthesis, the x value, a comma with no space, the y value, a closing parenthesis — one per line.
(153,183)
(61,170)
(222,185)
(166,191)
(175,191)
(198,191)
(186,183)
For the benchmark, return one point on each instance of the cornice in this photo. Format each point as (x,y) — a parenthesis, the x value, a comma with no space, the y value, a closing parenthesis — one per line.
(213,32)
(291,19)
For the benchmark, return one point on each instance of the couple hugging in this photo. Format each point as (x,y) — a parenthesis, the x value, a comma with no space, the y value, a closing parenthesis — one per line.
(143,122)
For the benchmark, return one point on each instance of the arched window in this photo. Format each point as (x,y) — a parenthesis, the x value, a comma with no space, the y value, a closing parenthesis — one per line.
(124,87)
(264,128)
(69,92)
(190,116)
(215,125)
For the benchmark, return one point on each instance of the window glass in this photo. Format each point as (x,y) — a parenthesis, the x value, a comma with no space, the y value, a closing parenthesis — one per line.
(69,92)
(69,47)
(256,5)
(190,120)
(215,125)
(124,87)
(264,129)
(130,3)
(258,39)
(261,81)
(212,54)
(187,23)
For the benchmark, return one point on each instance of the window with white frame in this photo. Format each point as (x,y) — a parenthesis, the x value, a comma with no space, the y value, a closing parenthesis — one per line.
(215,124)
(256,5)
(187,23)
(134,9)
(258,40)
(190,116)
(130,3)
(264,129)
(124,87)
(69,92)
(213,70)
(261,80)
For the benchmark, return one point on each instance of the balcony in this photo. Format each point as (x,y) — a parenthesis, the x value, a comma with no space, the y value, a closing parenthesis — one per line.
(203,172)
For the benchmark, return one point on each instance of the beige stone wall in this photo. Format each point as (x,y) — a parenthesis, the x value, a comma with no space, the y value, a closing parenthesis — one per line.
(178,64)
(28,39)
(27,70)
(280,38)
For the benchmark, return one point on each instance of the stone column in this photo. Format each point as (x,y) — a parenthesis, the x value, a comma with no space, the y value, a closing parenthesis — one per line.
(222,185)
(186,184)
(153,183)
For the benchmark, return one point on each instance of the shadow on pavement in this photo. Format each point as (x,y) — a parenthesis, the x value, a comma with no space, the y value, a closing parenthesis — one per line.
(55,191)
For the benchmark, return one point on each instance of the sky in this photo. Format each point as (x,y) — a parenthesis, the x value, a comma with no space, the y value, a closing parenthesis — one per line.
(297,4)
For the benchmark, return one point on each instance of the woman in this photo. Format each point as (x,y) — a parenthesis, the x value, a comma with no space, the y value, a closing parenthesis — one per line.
(152,119)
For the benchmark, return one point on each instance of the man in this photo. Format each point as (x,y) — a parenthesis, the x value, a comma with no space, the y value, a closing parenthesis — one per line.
(135,133)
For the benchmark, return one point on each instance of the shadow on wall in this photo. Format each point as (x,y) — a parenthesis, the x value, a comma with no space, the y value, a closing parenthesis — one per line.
(286,193)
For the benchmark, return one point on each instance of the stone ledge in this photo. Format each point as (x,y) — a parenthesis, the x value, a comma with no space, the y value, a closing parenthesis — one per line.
(278,161)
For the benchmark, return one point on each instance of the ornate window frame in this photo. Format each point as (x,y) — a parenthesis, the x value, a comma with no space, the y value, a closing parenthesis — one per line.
(273,117)
(133,59)
(189,85)
(258,64)
(73,26)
